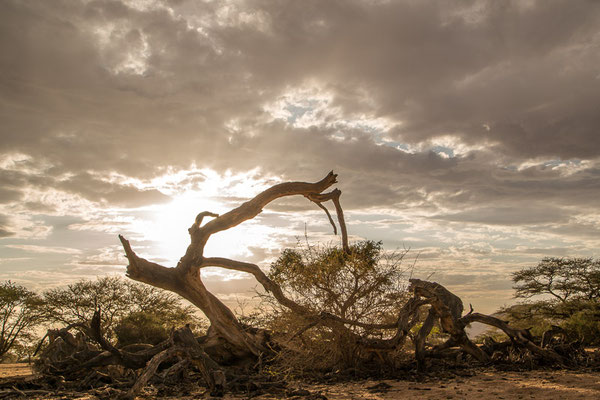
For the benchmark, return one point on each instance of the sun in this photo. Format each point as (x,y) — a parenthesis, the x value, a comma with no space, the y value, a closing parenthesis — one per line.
(170,223)
(167,224)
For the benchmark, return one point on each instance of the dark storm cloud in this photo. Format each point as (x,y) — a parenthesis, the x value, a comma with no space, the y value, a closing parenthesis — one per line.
(97,87)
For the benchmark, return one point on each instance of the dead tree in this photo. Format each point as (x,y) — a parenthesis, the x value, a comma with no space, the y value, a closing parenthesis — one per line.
(185,278)
(229,340)
(230,343)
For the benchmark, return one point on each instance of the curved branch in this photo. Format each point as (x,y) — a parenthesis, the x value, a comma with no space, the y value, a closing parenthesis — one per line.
(199,218)
(249,210)
(322,207)
(252,208)
(334,196)
(272,287)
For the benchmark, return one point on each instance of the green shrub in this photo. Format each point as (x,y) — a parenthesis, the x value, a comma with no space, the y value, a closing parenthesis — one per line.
(141,327)
(585,326)
(367,285)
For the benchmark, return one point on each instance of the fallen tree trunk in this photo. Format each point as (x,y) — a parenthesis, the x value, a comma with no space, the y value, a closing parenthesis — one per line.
(77,361)
(448,308)
(74,359)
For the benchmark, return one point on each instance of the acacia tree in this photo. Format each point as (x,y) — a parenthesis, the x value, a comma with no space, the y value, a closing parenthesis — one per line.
(366,285)
(563,291)
(119,300)
(562,278)
(20,310)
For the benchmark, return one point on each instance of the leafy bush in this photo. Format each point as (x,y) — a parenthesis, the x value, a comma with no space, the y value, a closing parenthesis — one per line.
(122,304)
(366,285)
(141,327)
(584,326)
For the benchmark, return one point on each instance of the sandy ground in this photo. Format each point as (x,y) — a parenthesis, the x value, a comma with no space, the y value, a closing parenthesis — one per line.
(486,384)
(7,370)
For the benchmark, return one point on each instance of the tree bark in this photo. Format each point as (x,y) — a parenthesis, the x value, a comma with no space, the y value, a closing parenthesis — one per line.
(448,308)
(185,278)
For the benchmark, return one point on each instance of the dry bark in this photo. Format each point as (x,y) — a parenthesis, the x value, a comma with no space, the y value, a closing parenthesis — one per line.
(185,279)
(448,308)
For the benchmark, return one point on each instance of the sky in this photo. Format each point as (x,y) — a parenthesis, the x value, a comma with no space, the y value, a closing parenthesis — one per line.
(465,131)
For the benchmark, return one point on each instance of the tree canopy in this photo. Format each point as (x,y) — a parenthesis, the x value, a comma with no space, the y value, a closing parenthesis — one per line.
(20,310)
(364,284)
(119,300)
(562,278)
(559,291)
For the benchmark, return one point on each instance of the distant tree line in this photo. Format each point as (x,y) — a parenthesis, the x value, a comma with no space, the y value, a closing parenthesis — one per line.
(367,286)
(131,312)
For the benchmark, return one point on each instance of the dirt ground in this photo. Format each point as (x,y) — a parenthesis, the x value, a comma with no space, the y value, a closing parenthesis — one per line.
(7,370)
(484,385)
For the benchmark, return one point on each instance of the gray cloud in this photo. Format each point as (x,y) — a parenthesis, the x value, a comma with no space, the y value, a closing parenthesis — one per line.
(71,91)
(105,87)
(4,232)
(120,195)
(435,113)
(527,215)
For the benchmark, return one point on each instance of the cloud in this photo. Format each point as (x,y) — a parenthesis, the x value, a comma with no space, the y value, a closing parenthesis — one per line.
(4,232)
(98,190)
(527,215)
(457,122)
(43,249)
(426,70)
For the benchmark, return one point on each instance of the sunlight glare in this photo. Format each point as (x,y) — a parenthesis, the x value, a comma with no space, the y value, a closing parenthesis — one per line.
(169,224)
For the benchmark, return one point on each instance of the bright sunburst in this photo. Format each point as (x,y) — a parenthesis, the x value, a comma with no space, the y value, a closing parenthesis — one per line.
(167,225)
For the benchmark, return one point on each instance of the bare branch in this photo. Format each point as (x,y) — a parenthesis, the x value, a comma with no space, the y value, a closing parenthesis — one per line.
(334,196)
(276,291)
(321,206)
(148,272)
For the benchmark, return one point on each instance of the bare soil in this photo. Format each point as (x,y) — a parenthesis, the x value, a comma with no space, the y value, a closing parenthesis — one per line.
(485,384)
(10,370)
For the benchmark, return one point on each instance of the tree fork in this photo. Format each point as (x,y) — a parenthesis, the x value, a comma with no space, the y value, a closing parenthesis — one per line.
(185,279)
